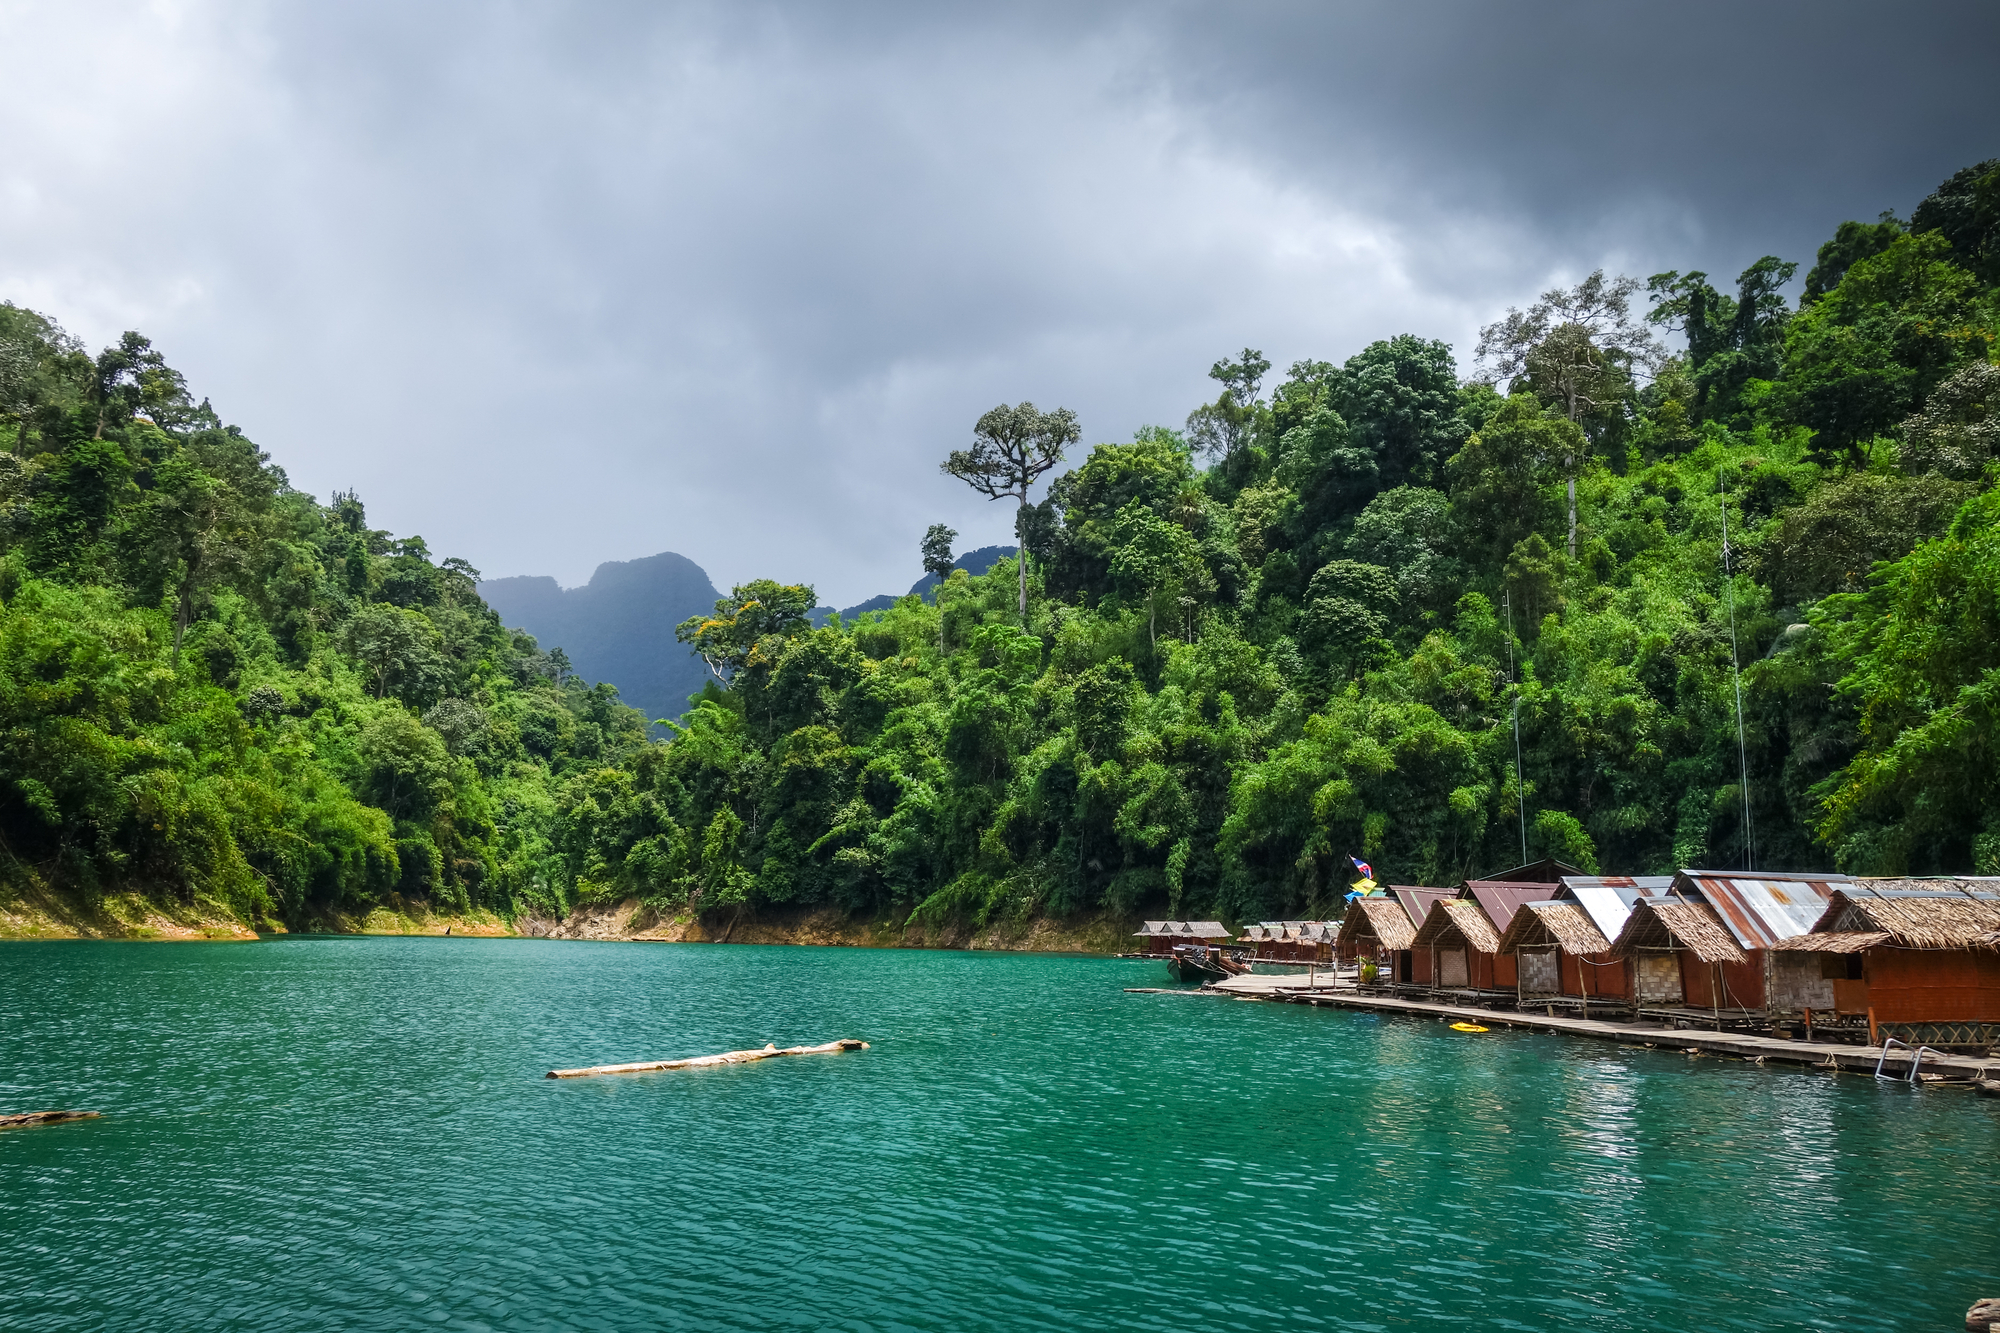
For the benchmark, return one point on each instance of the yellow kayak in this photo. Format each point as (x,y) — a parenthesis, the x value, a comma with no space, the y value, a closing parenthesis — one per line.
(1467,1027)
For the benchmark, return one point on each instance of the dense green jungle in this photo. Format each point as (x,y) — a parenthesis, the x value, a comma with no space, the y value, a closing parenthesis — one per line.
(1332,619)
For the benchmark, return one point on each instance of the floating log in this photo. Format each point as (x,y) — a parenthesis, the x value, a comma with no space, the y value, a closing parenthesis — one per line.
(701,1061)
(45,1118)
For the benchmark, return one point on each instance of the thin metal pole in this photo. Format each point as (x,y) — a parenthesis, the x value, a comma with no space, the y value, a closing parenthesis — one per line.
(1520,784)
(1736,671)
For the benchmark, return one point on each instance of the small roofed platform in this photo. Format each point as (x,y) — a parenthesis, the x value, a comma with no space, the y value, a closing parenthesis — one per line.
(1463,945)
(1563,961)
(1162,936)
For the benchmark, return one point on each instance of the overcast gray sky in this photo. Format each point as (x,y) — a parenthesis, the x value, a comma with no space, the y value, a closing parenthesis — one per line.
(562,283)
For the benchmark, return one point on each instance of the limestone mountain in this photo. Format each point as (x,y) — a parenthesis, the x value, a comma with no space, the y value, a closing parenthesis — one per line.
(619,627)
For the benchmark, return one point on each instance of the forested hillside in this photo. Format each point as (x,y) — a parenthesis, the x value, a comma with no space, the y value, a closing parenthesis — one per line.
(1310,624)
(214,688)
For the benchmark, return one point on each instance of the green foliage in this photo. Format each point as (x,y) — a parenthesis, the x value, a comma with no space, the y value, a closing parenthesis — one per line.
(221,691)
(1922,645)
(1299,631)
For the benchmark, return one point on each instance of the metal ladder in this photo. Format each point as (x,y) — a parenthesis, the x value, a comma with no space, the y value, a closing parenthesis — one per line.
(1916,1060)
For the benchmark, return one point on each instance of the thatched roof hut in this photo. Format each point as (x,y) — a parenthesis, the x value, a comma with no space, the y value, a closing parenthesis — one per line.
(1380,920)
(1920,959)
(1565,926)
(1462,945)
(1458,919)
(1666,923)
(1561,957)
(1910,914)
(1163,935)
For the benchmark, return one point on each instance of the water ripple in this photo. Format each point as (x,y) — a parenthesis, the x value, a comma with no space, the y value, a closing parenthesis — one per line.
(354,1134)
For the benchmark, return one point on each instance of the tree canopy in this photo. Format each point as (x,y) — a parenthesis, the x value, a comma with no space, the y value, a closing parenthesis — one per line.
(1297,631)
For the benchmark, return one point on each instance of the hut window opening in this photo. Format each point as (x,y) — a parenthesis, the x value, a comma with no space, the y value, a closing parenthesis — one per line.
(1840,966)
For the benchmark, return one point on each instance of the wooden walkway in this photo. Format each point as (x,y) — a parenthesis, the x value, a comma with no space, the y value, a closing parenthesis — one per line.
(1818,1055)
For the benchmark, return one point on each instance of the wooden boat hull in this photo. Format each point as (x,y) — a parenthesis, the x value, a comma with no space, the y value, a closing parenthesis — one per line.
(1188,967)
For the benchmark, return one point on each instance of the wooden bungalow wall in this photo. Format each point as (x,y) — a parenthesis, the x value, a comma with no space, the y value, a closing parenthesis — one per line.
(1585,976)
(1485,971)
(1933,985)
(1742,983)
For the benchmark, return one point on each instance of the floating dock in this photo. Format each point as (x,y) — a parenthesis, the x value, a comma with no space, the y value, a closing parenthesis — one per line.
(1744,1046)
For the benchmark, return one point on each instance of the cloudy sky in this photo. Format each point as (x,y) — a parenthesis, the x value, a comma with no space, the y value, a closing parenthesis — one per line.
(554,284)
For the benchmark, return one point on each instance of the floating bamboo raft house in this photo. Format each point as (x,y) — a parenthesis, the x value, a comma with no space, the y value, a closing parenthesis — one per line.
(1561,959)
(1919,960)
(1374,926)
(1291,941)
(1411,967)
(1162,936)
(1464,948)
(1562,950)
(1671,942)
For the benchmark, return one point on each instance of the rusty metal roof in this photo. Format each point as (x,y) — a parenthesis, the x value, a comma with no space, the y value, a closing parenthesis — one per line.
(1608,899)
(1417,900)
(1500,899)
(1759,907)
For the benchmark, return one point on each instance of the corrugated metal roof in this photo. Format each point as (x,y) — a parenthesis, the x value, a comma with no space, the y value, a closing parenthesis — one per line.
(1761,908)
(1500,899)
(1608,899)
(1417,900)
(1982,888)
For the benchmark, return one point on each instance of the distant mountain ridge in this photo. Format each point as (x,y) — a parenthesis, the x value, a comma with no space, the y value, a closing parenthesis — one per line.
(619,627)
(972,562)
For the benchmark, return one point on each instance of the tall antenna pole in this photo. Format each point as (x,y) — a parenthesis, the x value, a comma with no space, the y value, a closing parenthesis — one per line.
(1736,671)
(1520,787)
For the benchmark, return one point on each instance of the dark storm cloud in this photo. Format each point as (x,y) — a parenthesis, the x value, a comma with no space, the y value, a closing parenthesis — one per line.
(559,284)
(1744,127)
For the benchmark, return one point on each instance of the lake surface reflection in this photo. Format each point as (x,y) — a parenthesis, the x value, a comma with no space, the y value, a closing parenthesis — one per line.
(355,1134)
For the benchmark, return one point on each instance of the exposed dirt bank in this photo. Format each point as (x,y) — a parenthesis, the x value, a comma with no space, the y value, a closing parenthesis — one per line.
(36,914)
(1097,933)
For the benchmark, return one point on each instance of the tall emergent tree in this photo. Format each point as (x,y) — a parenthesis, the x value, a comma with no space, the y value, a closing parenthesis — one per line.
(1578,346)
(1222,427)
(938,561)
(1011,448)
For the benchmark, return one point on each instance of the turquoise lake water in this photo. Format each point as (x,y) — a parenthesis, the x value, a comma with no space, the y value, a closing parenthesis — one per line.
(308,1134)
